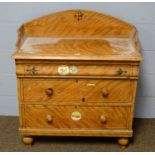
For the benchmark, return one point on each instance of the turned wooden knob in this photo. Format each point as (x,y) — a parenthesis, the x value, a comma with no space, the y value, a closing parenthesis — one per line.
(49,92)
(105,92)
(49,119)
(103,119)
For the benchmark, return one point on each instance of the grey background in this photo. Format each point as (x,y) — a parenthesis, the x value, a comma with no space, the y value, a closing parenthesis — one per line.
(142,15)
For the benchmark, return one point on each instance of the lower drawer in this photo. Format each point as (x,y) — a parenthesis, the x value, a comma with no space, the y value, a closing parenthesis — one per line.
(71,117)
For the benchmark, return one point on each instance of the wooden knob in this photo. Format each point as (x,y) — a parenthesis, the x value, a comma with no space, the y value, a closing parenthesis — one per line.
(49,119)
(105,92)
(49,92)
(103,119)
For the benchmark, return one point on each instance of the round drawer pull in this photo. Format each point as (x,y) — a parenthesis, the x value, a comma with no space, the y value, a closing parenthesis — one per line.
(105,92)
(49,119)
(49,92)
(103,119)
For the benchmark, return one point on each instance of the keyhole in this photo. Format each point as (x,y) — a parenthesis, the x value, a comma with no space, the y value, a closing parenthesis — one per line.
(83,99)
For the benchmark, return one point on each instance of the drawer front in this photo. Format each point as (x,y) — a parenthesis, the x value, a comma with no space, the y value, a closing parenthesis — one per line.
(37,116)
(82,91)
(73,70)
(105,90)
(59,90)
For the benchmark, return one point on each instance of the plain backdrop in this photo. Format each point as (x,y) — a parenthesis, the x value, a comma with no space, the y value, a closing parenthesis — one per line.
(142,15)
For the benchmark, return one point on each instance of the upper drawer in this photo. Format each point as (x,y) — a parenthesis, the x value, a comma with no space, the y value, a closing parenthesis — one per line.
(76,70)
(79,91)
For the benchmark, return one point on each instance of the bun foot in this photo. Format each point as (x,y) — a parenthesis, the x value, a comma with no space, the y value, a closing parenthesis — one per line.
(123,142)
(27,140)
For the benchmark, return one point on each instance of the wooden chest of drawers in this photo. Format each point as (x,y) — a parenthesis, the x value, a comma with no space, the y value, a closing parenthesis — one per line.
(77,74)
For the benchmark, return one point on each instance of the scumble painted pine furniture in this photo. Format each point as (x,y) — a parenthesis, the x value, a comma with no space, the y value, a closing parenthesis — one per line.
(77,74)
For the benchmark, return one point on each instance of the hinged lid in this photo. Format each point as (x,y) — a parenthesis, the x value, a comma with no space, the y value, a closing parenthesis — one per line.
(78,35)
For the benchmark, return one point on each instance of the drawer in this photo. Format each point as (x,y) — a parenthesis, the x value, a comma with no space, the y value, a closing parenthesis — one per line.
(49,90)
(105,90)
(74,70)
(39,116)
(80,91)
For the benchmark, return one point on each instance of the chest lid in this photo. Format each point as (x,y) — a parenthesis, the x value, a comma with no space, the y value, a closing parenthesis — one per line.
(77,35)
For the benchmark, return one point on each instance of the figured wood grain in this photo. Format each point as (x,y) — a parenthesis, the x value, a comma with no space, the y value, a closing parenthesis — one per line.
(60,36)
(63,90)
(101,94)
(82,70)
(73,90)
(133,98)
(118,90)
(36,117)
(92,24)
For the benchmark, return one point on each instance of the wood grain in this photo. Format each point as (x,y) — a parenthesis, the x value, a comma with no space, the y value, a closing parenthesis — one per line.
(92,24)
(97,97)
(61,36)
(36,117)
(82,70)
(66,91)
(76,132)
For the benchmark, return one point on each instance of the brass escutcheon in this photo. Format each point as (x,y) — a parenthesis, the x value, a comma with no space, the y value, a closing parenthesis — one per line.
(33,70)
(120,71)
(91,84)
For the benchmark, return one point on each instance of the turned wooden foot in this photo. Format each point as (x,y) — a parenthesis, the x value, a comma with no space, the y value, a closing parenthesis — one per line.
(27,140)
(123,142)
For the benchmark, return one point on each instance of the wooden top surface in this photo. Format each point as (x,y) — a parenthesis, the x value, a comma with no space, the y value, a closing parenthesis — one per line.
(77,35)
